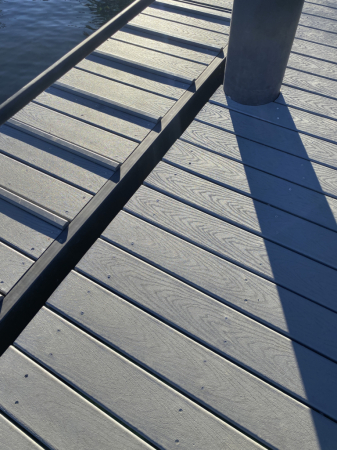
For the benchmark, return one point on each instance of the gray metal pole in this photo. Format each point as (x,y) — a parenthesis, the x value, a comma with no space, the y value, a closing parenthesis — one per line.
(260,40)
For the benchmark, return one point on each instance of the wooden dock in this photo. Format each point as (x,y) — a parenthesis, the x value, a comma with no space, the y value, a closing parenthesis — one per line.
(204,317)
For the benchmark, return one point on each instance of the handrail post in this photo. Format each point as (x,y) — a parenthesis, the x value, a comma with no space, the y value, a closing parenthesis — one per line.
(261,36)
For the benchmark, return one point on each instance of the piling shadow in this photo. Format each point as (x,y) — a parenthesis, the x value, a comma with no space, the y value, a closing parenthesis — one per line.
(323,209)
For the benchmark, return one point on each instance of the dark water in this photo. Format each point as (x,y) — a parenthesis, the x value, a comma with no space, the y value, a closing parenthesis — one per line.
(36,33)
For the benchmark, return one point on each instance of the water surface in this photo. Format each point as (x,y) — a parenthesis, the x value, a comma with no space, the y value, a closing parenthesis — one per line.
(36,33)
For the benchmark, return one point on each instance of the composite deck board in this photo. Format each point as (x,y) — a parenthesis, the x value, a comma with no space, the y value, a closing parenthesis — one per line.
(319,10)
(282,116)
(207,23)
(283,266)
(289,141)
(110,119)
(148,81)
(13,265)
(53,160)
(311,83)
(136,397)
(292,168)
(174,48)
(183,31)
(314,50)
(273,224)
(274,191)
(314,103)
(129,97)
(311,65)
(316,35)
(47,192)
(132,331)
(225,4)
(190,7)
(148,58)
(81,134)
(320,23)
(13,438)
(58,417)
(24,231)
(218,326)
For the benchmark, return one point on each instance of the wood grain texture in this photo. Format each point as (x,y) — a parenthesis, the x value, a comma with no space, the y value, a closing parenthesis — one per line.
(311,65)
(153,59)
(210,24)
(314,50)
(310,83)
(320,23)
(45,191)
(307,101)
(133,332)
(289,197)
(53,412)
(297,170)
(118,92)
(12,266)
(53,160)
(24,231)
(190,7)
(192,34)
(96,114)
(200,314)
(301,145)
(153,42)
(148,81)
(205,318)
(281,115)
(74,131)
(280,265)
(316,35)
(319,10)
(140,400)
(13,438)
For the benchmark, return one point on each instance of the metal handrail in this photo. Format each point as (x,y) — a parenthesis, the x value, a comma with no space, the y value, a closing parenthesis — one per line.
(35,87)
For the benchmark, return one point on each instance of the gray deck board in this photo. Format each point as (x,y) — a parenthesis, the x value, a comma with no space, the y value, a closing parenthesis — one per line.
(227,4)
(53,160)
(292,168)
(311,83)
(320,23)
(221,379)
(282,116)
(105,117)
(316,35)
(125,327)
(278,226)
(12,266)
(130,75)
(319,10)
(147,57)
(76,132)
(303,145)
(234,244)
(190,7)
(142,401)
(63,420)
(289,197)
(202,314)
(314,50)
(217,25)
(129,97)
(316,104)
(311,65)
(24,231)
(146,40)
(13,438)
(192,34)
(47,192)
